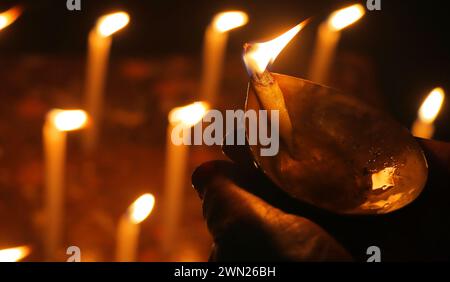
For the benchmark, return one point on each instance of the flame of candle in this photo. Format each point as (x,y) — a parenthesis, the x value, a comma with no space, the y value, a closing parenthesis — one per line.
(141,208)
(67,120)
(259,55)
(226,21)
(432,105)
(344,17)
(14,254)
(109,24)
(188,115)
(9,16)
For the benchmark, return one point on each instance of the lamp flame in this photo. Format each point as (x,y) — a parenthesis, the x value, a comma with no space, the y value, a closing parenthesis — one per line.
(14,254)
(259,55)
(141,208)
(109,24)
(189,115)
(431,105)
(68,120)
(226,21)
(342,18)
(9,16)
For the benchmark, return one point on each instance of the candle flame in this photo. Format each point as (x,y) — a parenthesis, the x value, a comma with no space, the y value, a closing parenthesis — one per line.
(67,120)
(109,24)
(226,21)
(14,254)
(259,55)
(431,105)
(189,115)
(344,17)
(141,208)
(9,16)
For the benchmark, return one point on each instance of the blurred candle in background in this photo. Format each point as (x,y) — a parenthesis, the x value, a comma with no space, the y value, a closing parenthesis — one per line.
(181,120)
(99,45)
(14,254)
(129,227)
(327,39)
(215,43)
(9,16)
(57,123)
(423,126)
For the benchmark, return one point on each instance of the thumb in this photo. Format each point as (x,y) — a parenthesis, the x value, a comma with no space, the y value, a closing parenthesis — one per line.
(246,228)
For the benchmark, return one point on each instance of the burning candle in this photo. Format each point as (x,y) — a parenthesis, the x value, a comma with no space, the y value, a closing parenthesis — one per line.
(99,44)
(181,120)
(257,57)
(215,41)
(129,227)
(328,36)
(428,111)
(14,254)
(57,123)
(9,16)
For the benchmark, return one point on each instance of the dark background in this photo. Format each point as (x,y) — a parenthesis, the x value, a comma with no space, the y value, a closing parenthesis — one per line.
(406,40)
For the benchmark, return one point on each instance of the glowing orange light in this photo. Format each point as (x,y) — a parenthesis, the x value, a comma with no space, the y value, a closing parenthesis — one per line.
(259,55)
(431,105)
(109,24)
(14,254)
(67,120)
(141,208)
(189,115)
(226,21)
(344,17)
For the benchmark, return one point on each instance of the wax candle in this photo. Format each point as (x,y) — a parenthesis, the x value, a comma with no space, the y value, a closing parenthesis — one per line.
(428,111)
(9,16)
(327,39)
(215,42)
(14,254)
(129,227)
(181,120)
(99,45)
(57,123)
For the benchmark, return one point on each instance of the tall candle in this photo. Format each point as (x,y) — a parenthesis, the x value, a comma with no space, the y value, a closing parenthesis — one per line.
(327,39)
(181,120)
(9,16)
(57,123)
(129,227)
(423,126)
(99,45)
(215,42)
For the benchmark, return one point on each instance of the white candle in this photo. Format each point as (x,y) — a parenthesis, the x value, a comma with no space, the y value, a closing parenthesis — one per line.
(57,123)
(99,44)
(423,126)
(129,227)
(9,16)
(181,120)
(327,39)
(14,254)
(215,42)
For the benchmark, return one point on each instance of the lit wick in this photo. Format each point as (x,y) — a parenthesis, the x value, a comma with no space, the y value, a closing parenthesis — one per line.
(423,126)
(99,45)
(14,254)
(257,57)
(9,16)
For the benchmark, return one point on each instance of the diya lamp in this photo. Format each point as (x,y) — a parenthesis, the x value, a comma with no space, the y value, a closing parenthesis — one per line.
(336,153)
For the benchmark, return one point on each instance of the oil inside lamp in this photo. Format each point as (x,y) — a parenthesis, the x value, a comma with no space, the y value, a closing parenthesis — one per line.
(337,153)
